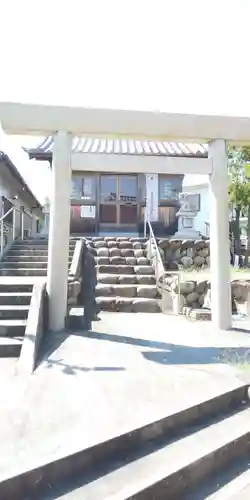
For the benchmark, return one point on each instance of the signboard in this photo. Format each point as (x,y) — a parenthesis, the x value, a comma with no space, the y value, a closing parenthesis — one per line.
(152,197)
(87,212)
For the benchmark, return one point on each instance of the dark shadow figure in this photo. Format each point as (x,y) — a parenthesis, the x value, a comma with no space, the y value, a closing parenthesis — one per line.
(87,296)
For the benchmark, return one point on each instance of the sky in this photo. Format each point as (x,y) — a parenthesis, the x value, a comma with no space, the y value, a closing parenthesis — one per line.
(166,55)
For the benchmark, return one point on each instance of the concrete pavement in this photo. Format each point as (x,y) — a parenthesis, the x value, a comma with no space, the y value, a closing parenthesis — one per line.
(132,369)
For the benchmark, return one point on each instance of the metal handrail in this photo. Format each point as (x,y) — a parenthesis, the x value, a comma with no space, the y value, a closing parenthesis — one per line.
(12,225)
(7,213)
(160,271)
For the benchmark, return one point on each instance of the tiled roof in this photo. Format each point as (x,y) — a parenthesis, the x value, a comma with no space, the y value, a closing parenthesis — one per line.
(123,147)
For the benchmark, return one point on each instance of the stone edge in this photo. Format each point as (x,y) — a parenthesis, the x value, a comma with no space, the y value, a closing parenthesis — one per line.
(74,270)
(35,328)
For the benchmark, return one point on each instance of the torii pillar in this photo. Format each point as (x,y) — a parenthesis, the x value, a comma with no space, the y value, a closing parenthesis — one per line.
(59,232)
(221,306)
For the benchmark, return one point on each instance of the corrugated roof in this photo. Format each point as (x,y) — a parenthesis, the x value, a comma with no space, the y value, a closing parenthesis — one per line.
(123,147)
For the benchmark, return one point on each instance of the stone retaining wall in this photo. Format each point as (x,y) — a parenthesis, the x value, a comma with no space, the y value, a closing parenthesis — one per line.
(184,253)
(197,294)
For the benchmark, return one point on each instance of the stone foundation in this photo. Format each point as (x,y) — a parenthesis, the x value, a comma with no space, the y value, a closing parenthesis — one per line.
(186,254)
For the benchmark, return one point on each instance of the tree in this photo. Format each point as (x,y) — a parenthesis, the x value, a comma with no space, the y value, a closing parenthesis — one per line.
(239,190)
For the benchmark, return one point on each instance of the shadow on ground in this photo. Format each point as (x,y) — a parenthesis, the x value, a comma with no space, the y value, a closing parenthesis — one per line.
(153,350)
(52,342)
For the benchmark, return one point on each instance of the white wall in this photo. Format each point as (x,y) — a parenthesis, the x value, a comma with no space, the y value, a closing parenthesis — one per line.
(204,214)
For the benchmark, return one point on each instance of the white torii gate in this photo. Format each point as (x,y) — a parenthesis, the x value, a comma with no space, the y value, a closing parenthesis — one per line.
(65,122)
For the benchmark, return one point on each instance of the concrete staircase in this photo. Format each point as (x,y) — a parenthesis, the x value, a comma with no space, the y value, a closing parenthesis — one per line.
(14,308)
(23,264)
(164,459)
(29,258)
(126,279)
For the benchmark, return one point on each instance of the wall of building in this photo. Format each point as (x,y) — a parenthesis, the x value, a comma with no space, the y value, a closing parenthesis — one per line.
(11,189)
(86,192)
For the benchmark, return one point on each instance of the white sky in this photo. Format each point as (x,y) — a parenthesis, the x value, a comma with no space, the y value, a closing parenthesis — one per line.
(171,55)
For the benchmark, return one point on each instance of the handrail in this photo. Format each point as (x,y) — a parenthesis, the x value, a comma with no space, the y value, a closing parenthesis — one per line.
(17,230)
(158,265)
(7,213)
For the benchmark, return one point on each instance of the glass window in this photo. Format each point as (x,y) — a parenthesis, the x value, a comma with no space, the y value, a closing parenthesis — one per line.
(128,188)
(108,188)
(83,188)
(76,188)
(169,188)
(88,188)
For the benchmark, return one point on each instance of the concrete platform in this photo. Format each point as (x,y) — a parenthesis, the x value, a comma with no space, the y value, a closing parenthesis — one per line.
(131,370)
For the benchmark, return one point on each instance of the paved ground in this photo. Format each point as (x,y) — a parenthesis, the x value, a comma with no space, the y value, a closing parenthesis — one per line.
(133,368)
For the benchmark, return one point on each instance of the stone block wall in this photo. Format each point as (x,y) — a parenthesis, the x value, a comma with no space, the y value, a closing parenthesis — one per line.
(197,294)
(185,253)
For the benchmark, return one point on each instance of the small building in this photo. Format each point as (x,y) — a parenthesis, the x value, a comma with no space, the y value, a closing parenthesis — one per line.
(109,184)
(15,193)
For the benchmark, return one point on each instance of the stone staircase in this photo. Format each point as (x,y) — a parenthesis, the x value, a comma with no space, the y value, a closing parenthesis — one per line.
(29,258)
(126,279)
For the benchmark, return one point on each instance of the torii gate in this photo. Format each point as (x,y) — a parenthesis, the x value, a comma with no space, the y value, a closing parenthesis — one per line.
(65,122)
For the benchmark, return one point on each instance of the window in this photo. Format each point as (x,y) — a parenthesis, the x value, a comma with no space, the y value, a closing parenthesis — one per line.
(169,188)
(76,188)
(83,188)
(88,188)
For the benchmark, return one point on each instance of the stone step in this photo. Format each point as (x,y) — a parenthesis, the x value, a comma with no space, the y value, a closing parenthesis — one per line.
(163,459)
(128,304)
(169,470)
(15,286)
(10,347)
(146,291)
(25,264)
(15,298)
(21,248)
(125,269)
(126,279)
(120,238)
(230,484)
(25,258)
(118,252)
(12,327)
(14,311)
(22,271)
(129,261)
(28,252)
(37,241)
(119,244)
(15,253)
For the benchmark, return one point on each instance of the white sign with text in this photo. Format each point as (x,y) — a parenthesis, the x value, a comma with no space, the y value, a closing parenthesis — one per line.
(152,197)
